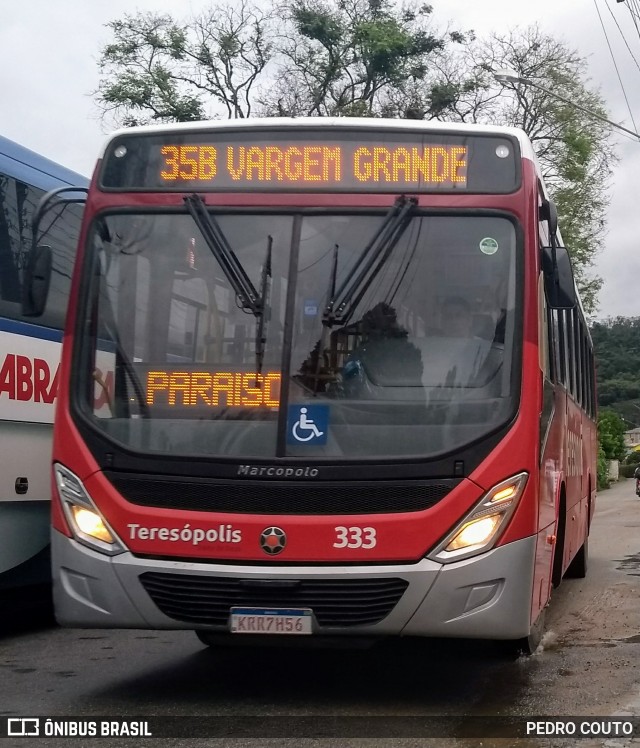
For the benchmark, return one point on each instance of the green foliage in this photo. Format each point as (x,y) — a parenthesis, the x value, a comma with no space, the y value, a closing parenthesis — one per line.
(156,70)
(573,148)
(349,57)
(602,470)
(372,58)
(617,390)
(318,23)
(306,57)
(610,340)
(627,471)
(146,88)
(617,349)
(617,344)
(577,165)
(617,352)
(611,430)
(632,459)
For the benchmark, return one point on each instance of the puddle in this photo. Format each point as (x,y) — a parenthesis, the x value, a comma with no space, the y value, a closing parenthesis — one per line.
(629,564)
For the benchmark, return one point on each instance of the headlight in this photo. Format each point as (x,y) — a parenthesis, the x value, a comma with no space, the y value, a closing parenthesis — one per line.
(90,523)
(480,529)
(87,524)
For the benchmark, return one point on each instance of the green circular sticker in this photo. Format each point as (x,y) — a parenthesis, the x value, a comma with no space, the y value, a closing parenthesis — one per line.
(488,246)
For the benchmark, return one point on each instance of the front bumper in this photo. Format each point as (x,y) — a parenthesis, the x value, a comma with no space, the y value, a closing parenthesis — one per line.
(487,597)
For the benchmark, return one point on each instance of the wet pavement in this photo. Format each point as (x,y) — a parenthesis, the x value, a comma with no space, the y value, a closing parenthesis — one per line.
(586,666)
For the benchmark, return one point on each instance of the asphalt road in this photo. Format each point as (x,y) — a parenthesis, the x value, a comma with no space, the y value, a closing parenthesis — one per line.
(586,666)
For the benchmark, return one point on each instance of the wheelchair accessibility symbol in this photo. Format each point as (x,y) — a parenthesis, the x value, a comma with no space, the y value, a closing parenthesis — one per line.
(307,424)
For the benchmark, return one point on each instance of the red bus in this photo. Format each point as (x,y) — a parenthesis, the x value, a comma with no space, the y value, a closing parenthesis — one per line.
(321,377)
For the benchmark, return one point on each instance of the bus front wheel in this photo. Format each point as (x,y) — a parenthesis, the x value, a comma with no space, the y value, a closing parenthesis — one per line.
(528,644)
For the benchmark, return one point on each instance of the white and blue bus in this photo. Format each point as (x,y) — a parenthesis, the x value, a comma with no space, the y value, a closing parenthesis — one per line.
(29,356)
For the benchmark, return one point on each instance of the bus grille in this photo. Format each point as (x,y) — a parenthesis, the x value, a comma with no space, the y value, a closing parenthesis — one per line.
(206,600)
(280,497)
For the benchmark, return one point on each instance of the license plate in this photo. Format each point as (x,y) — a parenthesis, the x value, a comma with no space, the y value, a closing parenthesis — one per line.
(271,621)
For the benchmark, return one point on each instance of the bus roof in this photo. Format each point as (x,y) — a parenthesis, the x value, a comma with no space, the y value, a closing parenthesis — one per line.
(28,166)
(346,123)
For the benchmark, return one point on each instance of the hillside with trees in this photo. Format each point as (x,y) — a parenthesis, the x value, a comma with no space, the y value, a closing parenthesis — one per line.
(617,348)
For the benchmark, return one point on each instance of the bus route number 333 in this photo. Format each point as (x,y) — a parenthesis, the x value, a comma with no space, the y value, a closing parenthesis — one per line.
(355,537)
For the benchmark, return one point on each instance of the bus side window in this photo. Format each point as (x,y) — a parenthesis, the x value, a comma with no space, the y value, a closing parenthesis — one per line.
(12,252)
(559,334)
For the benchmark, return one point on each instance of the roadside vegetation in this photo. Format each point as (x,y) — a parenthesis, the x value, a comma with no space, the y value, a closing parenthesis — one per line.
(617,348)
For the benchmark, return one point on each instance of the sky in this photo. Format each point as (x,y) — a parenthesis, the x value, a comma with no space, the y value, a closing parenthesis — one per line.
(49,72)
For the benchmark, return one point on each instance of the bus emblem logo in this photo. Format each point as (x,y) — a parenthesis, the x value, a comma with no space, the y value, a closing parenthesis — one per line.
(273,540)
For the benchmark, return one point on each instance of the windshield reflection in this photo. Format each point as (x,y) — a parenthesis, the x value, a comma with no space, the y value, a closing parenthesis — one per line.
(406,350)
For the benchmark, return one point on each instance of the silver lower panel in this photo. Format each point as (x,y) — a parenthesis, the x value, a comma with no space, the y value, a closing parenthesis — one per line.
(488,597)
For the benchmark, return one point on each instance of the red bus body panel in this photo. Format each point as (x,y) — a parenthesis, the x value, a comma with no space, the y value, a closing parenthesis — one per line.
(402,537)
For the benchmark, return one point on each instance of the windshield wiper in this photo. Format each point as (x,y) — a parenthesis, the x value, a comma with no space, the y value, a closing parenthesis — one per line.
(343,302)
(244,289)
(250,300)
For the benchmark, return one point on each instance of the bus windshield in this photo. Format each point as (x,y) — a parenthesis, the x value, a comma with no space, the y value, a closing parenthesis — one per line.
(422,360)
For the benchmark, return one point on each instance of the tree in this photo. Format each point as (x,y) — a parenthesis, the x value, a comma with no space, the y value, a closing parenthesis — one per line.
(308,57)
(372,58)
(346,57)
(617,352)
(602,469)
(156,70)
(611,430)
(573,149)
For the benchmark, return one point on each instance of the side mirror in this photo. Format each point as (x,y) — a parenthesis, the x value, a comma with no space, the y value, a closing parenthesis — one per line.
(559,284)
(36,281)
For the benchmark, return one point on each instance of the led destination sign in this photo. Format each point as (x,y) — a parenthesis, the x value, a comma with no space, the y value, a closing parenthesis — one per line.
(369,161)
(197,389)
(322,164)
